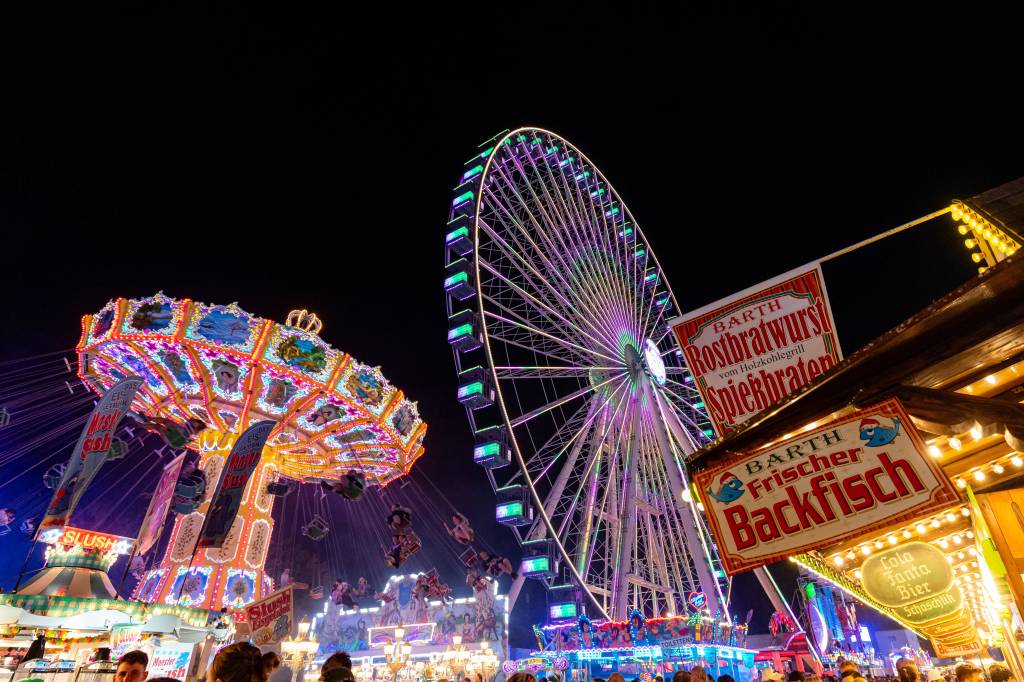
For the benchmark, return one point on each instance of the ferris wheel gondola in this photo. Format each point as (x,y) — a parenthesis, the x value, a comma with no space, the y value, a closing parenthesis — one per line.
(582,406)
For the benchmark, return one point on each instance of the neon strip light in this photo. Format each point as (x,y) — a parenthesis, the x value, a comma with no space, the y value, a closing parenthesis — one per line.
(474,388)
(455,279)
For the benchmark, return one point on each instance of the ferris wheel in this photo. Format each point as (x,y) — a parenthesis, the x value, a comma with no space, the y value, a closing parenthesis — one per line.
(581,404)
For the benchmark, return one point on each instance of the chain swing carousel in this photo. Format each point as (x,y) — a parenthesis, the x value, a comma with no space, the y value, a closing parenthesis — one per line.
(216,370)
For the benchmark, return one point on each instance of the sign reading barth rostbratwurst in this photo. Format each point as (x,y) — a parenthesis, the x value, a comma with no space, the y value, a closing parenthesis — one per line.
(866,472)
(754,348)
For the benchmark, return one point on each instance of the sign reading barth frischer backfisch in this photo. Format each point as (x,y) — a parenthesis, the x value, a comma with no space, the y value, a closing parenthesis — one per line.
(868,471)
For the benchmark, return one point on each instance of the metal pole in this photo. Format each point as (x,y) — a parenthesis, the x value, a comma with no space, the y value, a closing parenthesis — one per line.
(624,558)
(24,565)
(887,233)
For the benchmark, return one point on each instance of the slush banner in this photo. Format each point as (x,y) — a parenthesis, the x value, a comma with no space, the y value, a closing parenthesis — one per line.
(153,522)
(90,452)
(270,619)
(245,456)
(754,348)
(866,472)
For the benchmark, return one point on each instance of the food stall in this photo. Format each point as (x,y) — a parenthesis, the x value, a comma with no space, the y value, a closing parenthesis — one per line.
(895,475)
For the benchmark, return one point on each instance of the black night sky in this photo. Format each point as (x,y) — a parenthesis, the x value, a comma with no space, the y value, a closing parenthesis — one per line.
(304,160)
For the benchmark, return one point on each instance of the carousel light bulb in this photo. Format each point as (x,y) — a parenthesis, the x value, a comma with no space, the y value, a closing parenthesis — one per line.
(961,483)
(943,543)
(850,556)
(1017,461)
(949,558)
(982,270)
(950,517)
(700,506)
(976,432)
(955,443)
(957,539)
(906,534)
(962,568)
(970,534)
(878,544)
(969,243)
(934,451)
(865,550)
(935,523)
(857,574)
(964,511)
(998,468)
(972,551)
(960,555)
(920,528)
(837,560)
(892,539)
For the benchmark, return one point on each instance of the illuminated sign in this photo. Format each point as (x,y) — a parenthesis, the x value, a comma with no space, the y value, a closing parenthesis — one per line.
(867,471)
(87,539)
(908,574)
(567,610)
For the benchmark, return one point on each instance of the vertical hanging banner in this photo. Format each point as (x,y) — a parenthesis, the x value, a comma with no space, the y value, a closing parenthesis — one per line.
(754,348)
(867,472)
(90,452)
(153,522)
(242,461)
(271,618)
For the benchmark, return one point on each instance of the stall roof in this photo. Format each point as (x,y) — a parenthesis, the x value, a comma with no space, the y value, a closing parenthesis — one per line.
(1004,206)
(948,343)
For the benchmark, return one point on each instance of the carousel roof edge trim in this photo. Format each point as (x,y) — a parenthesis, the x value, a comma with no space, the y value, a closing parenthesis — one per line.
(42,604)
(941,340)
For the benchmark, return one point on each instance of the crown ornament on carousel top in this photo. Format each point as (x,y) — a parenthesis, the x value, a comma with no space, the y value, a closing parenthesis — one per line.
(305,320)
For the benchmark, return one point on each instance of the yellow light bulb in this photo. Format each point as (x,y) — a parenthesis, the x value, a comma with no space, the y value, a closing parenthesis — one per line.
(934,451)
(878,544)
(838,560)
(906,534)
(979,475)
(1017,461)
(865,550)
(976,432)
(950,517)
(961,483)
(976,257)
(955,443)
(920,528)
(970,243)
(998,468)
(982,269)
(962,229)
(892,539)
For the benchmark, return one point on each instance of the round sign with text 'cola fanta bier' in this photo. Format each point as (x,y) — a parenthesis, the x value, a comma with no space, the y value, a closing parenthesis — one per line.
(906,574)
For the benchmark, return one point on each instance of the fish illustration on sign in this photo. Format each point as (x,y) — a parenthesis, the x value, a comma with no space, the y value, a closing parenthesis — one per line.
(731,488)
(875,435)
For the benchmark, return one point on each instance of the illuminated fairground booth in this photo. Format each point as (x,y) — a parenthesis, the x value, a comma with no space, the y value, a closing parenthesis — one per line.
(415,637)
(640,646)
(894,480)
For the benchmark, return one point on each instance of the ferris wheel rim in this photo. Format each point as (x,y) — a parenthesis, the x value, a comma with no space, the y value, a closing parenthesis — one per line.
(509,423)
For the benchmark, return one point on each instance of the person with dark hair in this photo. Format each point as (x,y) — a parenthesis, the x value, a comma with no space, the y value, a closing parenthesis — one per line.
(338,674)
(521,677)
(965,672)
(242,662)
(681,676)
(726,678)
(795,676)
(906,671)
(698,674)
(339,659)
(164,679)
(131,667)
(1000,673)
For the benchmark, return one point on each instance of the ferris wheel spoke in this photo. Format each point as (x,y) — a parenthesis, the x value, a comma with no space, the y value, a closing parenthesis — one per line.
(564,225)
(533,414)
(545,228)
(549,312)
(547,372)
(550,337)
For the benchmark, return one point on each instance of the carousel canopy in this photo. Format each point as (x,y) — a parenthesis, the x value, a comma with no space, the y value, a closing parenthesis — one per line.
(230,369)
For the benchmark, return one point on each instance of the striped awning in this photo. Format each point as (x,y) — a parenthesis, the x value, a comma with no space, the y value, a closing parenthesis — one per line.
(82,583)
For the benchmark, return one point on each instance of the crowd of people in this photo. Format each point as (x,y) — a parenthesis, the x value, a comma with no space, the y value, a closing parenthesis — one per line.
(243,662)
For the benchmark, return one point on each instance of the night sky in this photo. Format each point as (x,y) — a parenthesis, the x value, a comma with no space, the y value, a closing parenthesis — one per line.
(306,161)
